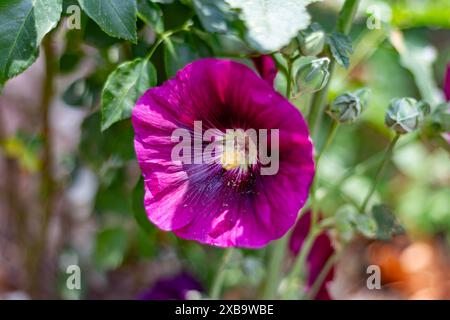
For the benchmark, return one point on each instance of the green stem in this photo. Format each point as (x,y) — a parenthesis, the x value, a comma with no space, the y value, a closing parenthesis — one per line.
(164,36)
(289,78)
(379,172)
(217,284)
(279,247)
(330,137)
(277,254)
(346,16)
(300,260)
(318,105)
(321,277)
(314,206)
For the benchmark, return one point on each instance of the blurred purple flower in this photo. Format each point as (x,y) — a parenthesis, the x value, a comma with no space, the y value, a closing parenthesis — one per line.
(266,68)
(447,83)
(172,288)
(447,96)
(321,251)
(210,202)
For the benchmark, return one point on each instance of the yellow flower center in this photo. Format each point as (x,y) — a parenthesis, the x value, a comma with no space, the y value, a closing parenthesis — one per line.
(239,150)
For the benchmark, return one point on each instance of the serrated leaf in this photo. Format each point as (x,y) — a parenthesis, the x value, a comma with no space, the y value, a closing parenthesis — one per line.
(270,24)
(110,248)
(122,89)
(387,224)
(341,48)
(24,24)
(115,17)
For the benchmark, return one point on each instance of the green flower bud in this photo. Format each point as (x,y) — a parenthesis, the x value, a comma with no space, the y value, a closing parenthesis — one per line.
(311,43)
(348,106)
(405,114)
(312,76)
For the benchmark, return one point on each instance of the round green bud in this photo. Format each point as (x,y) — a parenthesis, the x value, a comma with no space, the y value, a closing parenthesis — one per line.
(405,115)
(347,107)
(311,43)
(312,76)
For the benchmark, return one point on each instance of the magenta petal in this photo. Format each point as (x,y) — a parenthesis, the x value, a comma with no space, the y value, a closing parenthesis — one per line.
(447,83)
(266,68)
(206,202)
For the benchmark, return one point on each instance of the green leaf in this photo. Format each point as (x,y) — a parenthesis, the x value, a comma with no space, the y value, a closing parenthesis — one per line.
(151,14)
(46,16)
(270,24)
(140,214)
(123,87)
(341,48)
(116,17)
(387,224)
(110,248)
(96,37)
(24,24)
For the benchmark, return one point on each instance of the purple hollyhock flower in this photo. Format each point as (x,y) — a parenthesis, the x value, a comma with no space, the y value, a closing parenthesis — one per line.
(321,250)
(172,288)
(219,203)
(447,96)
(266,67)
